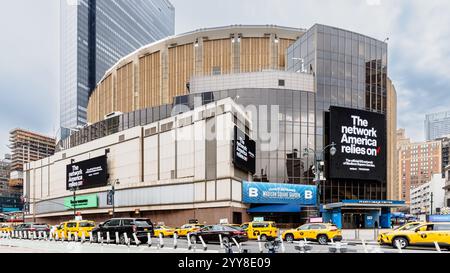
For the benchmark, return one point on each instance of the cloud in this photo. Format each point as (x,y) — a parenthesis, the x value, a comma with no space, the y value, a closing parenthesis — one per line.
(29,69)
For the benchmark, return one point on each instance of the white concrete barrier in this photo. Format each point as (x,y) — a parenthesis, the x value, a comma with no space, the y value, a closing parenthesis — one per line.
(91,237)
(205,247)
(283,249)
(149,239)
(136,240)
(175,241)
(221,242)
(63,236)
(83,236)
(189,241)
(117,238)
(108,238)
(75,237)
(237,244)
(399,247)
(438,248)
(260,245)
(127,240)
(69,236)
(161,241)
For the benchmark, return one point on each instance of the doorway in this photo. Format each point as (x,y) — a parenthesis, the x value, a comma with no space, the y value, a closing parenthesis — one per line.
(353,220)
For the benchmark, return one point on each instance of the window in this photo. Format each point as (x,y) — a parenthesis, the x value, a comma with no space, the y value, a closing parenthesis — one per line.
(71,225)
(304,227)
(442,227)
(112,223)
(87,224)
(216,70)
(127,222)
(281,83)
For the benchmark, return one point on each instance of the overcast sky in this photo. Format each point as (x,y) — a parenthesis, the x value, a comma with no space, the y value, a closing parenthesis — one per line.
(419,49)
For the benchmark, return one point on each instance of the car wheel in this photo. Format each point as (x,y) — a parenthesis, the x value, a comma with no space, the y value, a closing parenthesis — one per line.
(322,239)
(289,238)
(400,241)
(225,240)
(263,237)
(193,239)
(122,240)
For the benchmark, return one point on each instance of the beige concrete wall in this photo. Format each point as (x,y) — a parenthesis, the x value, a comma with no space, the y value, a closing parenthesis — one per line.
(393,182)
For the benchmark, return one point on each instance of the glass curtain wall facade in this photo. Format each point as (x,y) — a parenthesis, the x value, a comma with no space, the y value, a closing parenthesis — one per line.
(350,71)
(95,34)
(295,117)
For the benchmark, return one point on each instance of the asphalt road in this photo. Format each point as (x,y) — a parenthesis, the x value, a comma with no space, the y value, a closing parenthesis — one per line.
(27,246)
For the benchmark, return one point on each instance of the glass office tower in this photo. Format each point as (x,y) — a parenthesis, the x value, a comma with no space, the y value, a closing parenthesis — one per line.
(350,70)
(95,34)
(437,125)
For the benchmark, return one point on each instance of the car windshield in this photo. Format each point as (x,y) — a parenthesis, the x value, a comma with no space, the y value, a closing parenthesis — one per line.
(232,228)
(87,224)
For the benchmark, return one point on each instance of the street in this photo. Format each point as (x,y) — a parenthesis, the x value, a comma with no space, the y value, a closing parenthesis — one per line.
(29,246)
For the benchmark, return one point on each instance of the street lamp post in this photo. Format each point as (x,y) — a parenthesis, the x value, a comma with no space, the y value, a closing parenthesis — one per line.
(113,193)
(318,163)
(74,189)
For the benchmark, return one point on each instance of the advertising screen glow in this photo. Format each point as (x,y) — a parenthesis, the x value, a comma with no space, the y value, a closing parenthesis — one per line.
(360,139)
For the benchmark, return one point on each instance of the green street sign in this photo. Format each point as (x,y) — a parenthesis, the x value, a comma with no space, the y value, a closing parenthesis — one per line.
(82,202)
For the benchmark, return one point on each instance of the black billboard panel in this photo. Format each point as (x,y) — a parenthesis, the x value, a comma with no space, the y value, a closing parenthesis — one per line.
(360,139)
(92,173)
(244,152)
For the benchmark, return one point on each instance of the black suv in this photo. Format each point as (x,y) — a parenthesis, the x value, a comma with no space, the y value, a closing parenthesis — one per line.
(139,226)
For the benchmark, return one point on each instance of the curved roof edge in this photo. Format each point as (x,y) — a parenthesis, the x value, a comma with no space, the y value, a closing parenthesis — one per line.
(288,31)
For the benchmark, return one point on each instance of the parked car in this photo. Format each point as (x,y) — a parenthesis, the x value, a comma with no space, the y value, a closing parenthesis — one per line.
(139,226)
(6,227)
(75,227)
(187,228)
(320,232)
(33,227)
(425,234)
(211,234)
(165,231)
(264,230)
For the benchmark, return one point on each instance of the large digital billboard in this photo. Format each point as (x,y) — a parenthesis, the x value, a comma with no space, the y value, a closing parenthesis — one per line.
(273,193)
(360,139)
(244,151)
(87,174)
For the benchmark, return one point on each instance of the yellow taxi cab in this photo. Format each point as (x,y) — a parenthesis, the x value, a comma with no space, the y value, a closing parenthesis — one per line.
(6,228)
(425,234)
(187,228)
(75,227)
(165,231)
(264,230)
(320,232)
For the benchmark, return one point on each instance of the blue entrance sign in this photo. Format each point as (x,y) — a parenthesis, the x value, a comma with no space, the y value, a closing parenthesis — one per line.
(373,202)
(271,193)
(438,218)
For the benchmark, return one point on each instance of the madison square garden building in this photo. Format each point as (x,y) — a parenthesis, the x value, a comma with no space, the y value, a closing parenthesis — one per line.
(215,124)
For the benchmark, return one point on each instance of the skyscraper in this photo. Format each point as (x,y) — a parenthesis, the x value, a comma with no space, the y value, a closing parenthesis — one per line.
(95,34)
(437,125)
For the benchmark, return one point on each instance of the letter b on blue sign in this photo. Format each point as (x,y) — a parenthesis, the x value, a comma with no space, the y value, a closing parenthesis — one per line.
(253,192)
